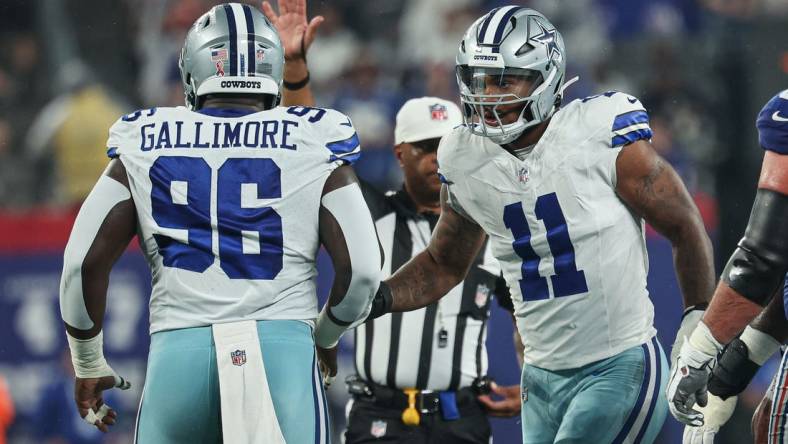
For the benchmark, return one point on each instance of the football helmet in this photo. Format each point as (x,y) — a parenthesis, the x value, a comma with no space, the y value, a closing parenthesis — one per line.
(511,59)
(232,48)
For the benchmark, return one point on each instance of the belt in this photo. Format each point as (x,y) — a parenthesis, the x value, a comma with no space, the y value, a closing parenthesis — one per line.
(427,401)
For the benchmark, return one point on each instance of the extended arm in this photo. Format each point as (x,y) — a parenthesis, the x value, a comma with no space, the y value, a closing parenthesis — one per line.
(103,229)
(429,275)
(759,264)
(297,36)
(348,234)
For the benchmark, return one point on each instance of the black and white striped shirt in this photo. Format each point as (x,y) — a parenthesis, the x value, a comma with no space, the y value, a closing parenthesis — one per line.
(441,346)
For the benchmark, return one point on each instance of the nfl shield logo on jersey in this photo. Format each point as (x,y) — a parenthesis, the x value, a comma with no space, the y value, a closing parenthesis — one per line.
(378,429)
(438,112)
(482,295)
(238,357)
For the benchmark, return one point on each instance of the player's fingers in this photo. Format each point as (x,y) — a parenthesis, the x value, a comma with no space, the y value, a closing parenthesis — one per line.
(311,30)
(121,382)
(269,12)
(703,398)
(298,7)
(284,7)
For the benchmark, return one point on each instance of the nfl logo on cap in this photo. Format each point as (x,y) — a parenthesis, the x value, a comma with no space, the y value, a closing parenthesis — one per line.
(238,357)
(438,112)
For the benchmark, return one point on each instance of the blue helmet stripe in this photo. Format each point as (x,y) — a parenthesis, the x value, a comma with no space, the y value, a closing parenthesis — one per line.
(502,26)
(630,118)
(228,12)
(250,60)
(632,136)
(485,24)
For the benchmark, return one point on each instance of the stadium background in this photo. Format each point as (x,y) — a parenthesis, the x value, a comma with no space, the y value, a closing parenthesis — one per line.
(69,68)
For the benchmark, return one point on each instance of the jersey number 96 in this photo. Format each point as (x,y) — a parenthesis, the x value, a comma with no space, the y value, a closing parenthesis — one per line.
(249,233)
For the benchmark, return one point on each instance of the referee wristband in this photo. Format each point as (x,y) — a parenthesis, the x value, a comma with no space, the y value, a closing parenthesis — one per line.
(296,85)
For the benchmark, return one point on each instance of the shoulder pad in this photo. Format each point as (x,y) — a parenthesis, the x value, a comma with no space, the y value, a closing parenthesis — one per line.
(334,129)
(124,129)
(772,124)
(619,117)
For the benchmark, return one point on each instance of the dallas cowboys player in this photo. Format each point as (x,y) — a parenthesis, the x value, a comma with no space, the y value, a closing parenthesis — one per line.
(562,193)
(749,281)
(231,198)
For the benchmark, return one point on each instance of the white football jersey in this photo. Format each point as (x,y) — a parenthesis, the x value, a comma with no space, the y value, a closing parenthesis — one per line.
(572,253)
(227,207)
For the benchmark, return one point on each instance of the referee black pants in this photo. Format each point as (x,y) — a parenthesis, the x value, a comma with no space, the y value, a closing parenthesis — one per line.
(372,423)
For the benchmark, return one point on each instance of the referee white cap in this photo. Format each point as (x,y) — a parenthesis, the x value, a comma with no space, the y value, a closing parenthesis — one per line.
(426,118)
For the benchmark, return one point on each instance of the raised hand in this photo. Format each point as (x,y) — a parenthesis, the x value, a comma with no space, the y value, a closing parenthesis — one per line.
(295,32)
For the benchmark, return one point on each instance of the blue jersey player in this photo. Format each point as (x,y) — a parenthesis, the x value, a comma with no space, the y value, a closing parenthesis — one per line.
(754,274)
(231,198)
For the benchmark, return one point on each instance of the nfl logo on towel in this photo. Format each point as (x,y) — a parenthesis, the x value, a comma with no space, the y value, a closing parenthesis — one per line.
(438,112)
(238,357)
(378,429)
(482,295)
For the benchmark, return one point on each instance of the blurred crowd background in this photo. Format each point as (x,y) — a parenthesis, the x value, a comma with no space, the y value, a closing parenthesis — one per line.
(70,68)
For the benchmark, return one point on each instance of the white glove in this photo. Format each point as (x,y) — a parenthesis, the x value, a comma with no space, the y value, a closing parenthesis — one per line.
(716,413)
(690,376)
(689,322)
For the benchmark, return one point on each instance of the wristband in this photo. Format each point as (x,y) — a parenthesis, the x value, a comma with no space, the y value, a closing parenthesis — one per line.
(382,302)
(293,86)
(87,356)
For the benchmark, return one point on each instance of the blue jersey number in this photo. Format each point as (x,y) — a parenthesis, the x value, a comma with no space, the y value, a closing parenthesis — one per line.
(567,280)
(250,233)
(301,111)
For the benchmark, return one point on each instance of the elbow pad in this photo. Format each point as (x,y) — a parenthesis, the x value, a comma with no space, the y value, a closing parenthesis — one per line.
(105,195)
(740,361)
(757,267)
(348,208)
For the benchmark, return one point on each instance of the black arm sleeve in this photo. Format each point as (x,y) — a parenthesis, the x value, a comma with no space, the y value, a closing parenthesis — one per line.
(757,267)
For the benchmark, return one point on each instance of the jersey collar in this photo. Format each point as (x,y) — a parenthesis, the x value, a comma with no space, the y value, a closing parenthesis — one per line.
(226,112)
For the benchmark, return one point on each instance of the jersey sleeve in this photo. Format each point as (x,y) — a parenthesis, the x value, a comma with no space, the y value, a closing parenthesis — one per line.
(447,156)
(340,137)
(124,130)
(772,124)
(629,121)
(119,132)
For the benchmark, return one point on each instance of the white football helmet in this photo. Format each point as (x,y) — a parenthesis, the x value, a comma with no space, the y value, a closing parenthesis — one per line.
(512,55)
(232,48)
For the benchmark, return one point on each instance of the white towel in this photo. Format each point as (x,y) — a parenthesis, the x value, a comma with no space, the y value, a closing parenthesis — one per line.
(248,415)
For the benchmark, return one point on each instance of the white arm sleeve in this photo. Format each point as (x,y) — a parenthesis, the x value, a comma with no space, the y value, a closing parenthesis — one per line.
(347,206)
(105,195)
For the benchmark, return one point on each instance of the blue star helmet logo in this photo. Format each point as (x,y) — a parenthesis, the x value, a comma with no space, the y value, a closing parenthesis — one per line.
(549,39)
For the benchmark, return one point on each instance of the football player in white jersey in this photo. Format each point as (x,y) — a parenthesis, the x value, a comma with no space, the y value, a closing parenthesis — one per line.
(231,197)
(563,191)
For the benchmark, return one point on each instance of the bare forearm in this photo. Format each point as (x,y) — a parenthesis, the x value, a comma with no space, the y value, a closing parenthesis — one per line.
(728,313)
(420,282)
(693,259)
(296,71)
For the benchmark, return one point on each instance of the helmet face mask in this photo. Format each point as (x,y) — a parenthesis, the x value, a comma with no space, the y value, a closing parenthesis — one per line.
(231,49)
(510,69)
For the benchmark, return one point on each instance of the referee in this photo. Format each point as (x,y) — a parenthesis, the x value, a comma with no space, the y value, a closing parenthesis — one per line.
(419,373)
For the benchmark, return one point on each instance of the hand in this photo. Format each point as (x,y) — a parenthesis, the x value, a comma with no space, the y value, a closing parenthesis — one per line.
(687,384)
(296,34)
(327,359)
(716,413)
(510,405)
(87,394)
